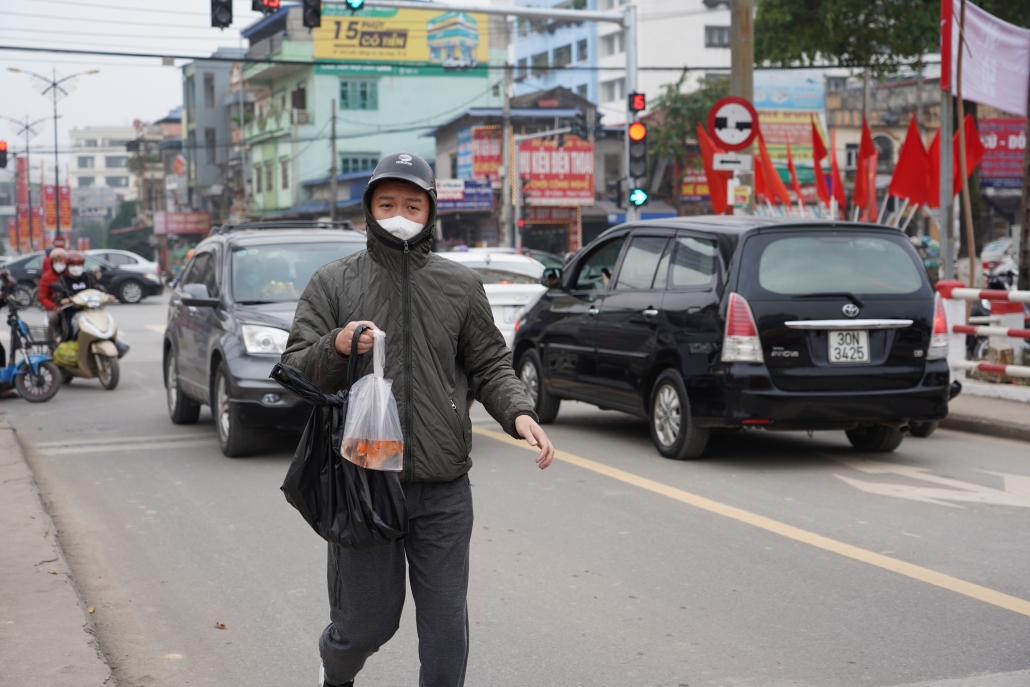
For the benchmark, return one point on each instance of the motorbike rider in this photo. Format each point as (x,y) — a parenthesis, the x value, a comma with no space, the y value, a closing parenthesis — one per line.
(76,280)
(47,298)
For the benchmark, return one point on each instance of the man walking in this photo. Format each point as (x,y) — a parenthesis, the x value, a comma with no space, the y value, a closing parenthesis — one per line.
(441,339)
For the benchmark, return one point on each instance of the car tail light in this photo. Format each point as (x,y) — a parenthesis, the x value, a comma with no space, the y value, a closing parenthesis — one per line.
(741,343)
(939,340)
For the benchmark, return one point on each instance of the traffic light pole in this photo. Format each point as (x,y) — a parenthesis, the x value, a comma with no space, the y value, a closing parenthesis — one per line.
(630,42)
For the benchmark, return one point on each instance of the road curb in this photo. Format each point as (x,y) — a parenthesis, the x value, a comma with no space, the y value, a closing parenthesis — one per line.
(982,425)
(47,636)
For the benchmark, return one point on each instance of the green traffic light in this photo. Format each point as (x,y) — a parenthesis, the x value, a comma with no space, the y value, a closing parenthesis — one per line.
(355,5)
(638,197)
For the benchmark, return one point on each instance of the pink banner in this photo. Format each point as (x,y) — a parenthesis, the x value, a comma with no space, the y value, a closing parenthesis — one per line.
(994,60)
(181,223)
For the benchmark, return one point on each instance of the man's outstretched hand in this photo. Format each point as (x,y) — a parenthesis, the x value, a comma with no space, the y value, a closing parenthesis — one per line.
(345,337)
(529,430)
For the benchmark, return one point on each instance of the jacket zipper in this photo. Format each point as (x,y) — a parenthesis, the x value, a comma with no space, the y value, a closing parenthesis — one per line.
(409,467)
(461,428)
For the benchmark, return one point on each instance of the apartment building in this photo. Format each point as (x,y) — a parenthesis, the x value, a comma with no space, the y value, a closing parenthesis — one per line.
(98,157)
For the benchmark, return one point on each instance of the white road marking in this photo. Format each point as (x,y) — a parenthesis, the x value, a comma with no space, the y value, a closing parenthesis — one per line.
(1015,493)
(159,328)
(165,441)
(1019,678)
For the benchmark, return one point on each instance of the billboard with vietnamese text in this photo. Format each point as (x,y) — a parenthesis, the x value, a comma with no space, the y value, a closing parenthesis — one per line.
(557,176)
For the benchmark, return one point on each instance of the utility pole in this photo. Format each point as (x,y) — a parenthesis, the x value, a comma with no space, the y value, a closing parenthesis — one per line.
(630,43)
(1024,213)
(506,214)
(742,69)
(28,132)
(243,149)
(332,166)
(944,225)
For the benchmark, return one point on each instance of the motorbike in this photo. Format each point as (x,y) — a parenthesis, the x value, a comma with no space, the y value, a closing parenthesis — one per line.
(31,370)
(96,348)
(1002,278)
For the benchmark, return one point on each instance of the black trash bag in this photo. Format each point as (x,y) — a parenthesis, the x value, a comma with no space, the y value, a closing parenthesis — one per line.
(345,504)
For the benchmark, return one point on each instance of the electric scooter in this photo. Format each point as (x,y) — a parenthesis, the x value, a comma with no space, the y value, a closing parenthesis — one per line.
(35,376)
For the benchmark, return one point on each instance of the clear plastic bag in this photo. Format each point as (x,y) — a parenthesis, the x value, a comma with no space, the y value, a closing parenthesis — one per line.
(372,436)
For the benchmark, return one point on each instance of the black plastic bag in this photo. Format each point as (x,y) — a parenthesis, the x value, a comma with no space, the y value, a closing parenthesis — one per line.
(345,504)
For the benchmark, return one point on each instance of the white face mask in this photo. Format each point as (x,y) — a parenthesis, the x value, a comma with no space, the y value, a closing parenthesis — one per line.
(58,267)
(401,227)
(75,270)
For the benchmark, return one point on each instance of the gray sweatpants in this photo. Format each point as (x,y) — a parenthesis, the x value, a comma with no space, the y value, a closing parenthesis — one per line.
(366,589)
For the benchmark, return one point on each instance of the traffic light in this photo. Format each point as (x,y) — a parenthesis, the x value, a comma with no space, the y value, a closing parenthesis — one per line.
(354,5)
(264,6)
(579,126)
(637,102)
(312,13)
(638,197)
(637,150)
(3,154)
(221,13)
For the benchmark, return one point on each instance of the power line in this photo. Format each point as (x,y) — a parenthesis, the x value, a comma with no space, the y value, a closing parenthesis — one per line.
(116,7)
(97,21)
(110,35)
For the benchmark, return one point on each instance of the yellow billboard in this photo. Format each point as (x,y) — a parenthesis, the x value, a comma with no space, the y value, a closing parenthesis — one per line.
(451,40)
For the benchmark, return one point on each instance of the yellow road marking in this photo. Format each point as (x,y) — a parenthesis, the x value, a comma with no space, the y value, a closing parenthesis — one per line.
(974,591)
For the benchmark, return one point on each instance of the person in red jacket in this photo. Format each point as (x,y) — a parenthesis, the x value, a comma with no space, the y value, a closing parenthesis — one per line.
(58,263)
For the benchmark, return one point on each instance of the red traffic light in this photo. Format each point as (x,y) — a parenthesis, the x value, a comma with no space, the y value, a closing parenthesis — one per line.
(3,145)
(637,131)
(637,102)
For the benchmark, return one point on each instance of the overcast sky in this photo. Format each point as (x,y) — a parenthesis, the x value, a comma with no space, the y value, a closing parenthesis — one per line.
(125,89)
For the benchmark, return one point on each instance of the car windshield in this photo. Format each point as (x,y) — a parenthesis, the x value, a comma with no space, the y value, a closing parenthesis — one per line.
(278,273)
(490,276)
(833,263)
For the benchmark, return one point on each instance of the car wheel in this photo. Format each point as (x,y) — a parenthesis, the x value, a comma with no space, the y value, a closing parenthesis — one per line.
(131,291)
(235,440)
(875,439)
(673,430)
(36,388)
(532,378)
(922,429)
(181,408)
(108,371)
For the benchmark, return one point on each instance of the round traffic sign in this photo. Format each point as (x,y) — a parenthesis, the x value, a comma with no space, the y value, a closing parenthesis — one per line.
(60,242)
(733,123)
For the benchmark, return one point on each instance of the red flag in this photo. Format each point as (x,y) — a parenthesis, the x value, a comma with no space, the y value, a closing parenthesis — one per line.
(793,173)
(775,190)
(716,179)
(910,174)
(761,192)
(818,153)
(835,177)
(860,194)
(974,153)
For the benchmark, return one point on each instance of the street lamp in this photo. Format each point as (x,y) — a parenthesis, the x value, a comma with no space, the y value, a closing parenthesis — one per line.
(52,85)
(25,129)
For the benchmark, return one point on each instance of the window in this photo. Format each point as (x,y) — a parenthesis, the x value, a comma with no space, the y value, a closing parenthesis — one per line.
(539,62)
(269,175)
(885,154)
(257,179)
(117,182)
(358,162)
(523,69)
(116,161)
(203,272)
(359,95)
(613,44)
(299,98)
(641,263)
(835,84)
(118,259)
(86,182)
(562,56)
(693,262)
(209,91)
(191,95)
(581,50)
(582,90)
(598,268)
(523,27)
(490,276)
(86,162)
(88,142)
(279,272)
(284,172)
(613,90)
(717,36)
(117,142)
(210,145)
(850,155)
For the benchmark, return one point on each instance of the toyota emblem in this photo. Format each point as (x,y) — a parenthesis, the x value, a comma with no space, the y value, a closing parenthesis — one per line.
(850,310)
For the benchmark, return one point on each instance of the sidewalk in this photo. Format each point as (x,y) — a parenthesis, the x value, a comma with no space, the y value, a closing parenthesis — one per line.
(979,410)
(46,634)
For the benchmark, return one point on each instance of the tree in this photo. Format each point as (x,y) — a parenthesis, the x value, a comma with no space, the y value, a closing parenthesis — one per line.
(674,120)
(95,231)
(137,241)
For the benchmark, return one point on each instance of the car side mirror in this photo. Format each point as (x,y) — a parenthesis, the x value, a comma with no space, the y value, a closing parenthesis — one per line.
(551,278)
(197,296)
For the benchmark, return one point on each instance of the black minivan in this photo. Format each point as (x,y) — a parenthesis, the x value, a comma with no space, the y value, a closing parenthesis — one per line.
(706,323)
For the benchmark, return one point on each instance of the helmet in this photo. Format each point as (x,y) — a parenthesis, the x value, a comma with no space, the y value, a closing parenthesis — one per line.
(75,258)
(58,255)
(406,167)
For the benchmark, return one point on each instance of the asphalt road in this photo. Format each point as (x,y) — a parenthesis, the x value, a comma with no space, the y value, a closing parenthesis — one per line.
(778,559)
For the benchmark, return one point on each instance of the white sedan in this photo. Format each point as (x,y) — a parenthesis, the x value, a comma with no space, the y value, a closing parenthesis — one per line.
(512,283)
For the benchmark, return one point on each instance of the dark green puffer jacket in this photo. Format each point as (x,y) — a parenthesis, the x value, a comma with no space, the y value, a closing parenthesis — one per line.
(440,339)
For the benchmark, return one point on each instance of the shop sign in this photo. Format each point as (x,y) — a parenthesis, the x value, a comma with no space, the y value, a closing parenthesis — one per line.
(463,194)
(181,223)
(487,154)
(464,170)
(557,176)
(695,187)
(1004,142)
(552,214)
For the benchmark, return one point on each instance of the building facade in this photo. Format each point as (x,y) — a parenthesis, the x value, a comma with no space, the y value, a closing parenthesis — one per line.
(98,157)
